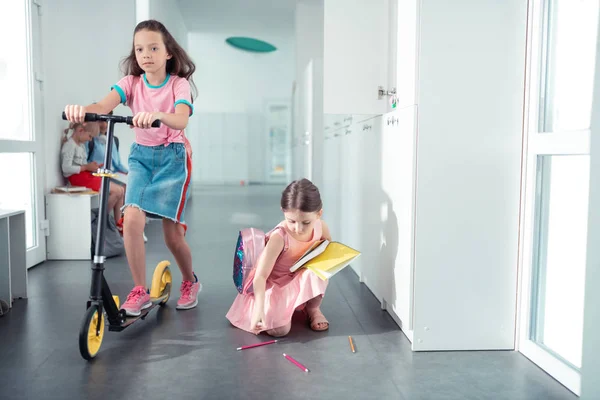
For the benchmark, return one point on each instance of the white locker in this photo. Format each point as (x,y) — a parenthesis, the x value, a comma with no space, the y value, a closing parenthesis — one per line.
(368,161)
(331,174)
(398,184)
(352,176)
(450,154)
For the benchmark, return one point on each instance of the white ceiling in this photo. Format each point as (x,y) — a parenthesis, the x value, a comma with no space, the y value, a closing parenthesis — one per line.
(238,16)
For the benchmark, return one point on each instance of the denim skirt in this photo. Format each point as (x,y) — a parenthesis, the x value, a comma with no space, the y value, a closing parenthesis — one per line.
(159,179)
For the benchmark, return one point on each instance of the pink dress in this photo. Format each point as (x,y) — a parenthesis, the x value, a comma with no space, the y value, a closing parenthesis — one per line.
(285,291)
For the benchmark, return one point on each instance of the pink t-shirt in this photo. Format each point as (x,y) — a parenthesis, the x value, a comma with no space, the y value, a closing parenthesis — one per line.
(141,96)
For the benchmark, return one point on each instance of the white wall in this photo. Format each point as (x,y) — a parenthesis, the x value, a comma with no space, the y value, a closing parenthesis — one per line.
(308,150)
(309,32)
(142,10)
(590,368)
(237,81)
(81,51)
(406,60)
(167,12)
(235,85)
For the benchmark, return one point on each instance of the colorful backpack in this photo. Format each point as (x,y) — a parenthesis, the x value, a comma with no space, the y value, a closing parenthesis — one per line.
(250,244)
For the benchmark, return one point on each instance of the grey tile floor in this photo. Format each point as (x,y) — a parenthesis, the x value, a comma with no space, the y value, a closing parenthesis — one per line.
(191,354)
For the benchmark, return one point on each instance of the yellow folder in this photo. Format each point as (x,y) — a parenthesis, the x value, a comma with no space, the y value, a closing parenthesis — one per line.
(336,257)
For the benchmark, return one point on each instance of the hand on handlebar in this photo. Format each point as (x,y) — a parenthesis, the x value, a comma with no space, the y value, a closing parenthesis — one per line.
(144,120)
(75,113)
(80,114)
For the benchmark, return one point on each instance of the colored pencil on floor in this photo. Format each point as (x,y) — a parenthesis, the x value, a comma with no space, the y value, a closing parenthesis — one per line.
(351,344)
(290,359)
(250,346)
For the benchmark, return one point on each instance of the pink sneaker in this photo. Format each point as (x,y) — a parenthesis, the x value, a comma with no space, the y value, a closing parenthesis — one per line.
(137,300)
(189,294)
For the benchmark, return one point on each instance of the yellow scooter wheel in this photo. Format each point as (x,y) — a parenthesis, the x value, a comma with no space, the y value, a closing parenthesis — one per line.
(161,282)
(91,333)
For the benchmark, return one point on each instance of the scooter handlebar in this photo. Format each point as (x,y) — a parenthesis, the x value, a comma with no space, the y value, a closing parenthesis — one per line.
(93,117)
(129,121)
(89,117)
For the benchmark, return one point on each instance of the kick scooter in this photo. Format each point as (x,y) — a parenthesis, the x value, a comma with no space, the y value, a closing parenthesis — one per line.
(102,304)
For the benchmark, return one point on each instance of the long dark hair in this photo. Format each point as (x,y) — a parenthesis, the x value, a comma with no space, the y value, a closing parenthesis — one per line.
(301,195)
(180,63)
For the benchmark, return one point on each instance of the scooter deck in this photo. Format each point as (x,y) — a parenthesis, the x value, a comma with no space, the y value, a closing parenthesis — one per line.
(130,320)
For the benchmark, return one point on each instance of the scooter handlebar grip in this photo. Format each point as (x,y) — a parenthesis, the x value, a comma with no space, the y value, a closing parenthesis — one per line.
(155,124)
(89,117)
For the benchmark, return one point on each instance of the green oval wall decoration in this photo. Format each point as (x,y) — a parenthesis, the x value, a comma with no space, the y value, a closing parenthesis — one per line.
(250,44)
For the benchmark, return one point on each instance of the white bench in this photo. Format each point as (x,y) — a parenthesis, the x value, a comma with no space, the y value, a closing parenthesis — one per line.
(69,218)
(13,256)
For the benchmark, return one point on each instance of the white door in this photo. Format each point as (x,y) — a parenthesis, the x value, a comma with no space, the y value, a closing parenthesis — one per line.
(277,141)
(358,56)
(21,146)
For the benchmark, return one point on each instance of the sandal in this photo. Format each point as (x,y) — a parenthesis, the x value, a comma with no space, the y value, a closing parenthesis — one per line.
(316,318)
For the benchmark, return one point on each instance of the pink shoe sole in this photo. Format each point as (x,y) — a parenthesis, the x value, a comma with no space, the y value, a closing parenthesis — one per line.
(130,313)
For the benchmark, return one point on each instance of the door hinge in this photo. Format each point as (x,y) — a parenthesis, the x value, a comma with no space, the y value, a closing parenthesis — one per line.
(38,4)
(45,226)
(38,77)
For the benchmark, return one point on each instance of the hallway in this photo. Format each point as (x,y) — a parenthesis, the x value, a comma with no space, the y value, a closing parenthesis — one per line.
(192,353)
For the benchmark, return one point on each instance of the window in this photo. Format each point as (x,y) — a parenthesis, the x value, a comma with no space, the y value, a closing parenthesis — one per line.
(22,151)
(15,72)
(560,87)
(559,255)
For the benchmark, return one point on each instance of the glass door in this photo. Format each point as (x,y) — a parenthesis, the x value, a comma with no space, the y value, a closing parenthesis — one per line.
(21,149)
(561,62)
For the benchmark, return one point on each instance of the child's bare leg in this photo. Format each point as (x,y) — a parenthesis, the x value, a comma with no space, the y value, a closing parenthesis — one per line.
(119,199)
(110,203)
(280,331)
(314,303)
(316,317)
(175,241)
(133,226)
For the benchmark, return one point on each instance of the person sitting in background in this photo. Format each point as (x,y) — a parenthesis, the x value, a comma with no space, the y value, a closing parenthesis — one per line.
(97,148)
(78,171)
